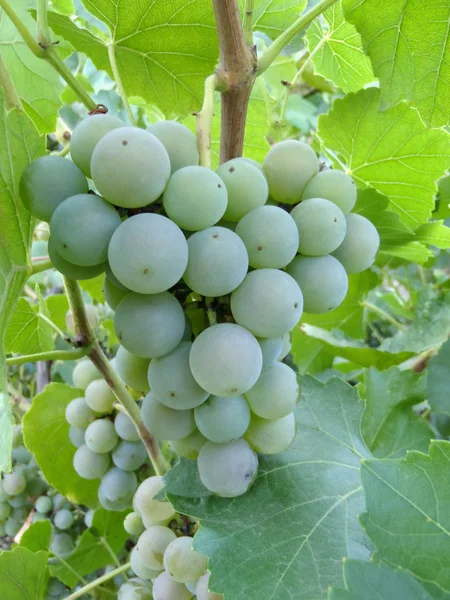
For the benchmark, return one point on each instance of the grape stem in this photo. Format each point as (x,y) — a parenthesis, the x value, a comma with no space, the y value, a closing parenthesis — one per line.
(85,337)
(119,84)
(271,53)
(204,120)
(99,581)
(42,28)
(247,24)
(383,314)
(12,99)
(41,265)
(51,355)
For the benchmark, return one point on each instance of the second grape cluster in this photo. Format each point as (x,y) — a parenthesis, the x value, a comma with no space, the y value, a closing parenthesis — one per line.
(208,272)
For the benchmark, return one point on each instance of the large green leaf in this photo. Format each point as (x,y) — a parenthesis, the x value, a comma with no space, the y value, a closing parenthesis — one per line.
(272,17)
(46,434)
(290,531)
(391,151)
(38,536)
(389,425)
(23,575)
(29,330)
(38,84)
(94,548)
(164,50)
(372,581)
(438,380)
(338,53)
(408,42)
(408,514)
(20,144)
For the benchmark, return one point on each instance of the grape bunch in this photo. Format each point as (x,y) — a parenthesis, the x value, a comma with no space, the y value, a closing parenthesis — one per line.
(207,272)
(175,568)
(108,444)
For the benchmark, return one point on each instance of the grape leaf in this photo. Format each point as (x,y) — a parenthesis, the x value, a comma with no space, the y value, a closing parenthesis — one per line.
(38,536)
(355,350)
(430,327)
(408,514)
(21,143)
(45,421)
(23,575)
(391,151)
(64,7)
(272,17)
(338,53)
(107,535)
(372,581)
(389,425)
(57,306)
(438,380)
(434,233)
(37,83)
(164,50)
(409,52)
(29,330)
(300,515)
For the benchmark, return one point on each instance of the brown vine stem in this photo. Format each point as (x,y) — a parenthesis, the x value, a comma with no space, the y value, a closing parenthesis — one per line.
(235,77)
(85,337)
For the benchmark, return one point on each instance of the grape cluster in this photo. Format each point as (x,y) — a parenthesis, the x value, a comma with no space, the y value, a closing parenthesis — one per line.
(176,570)
(108,444)
(207,272)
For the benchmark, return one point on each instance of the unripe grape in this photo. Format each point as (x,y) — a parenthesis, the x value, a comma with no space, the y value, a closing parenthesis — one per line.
(85,371)
(360,246)
(166,423)
(63,519)
(125,428)
(276,392)
(335,186)
(70,270)
(202,590)
(152,544)
(182,562)
(100,436)
(14,484)
(140,568)
(99,396)
(133,524)
(165,588)
(132,369)
(271,436)
(152,511)
(321,226)
(179,141)
(89,464)
(190,446)
(78,413)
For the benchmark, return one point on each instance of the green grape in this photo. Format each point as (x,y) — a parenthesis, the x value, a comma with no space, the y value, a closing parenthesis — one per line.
(129,456)
(227,470)
(70,270)
(321,226)
(172,382)
(12,527)
(222,420)
(108,504)
(165,588)
(152,511)
(276,392)
(268,303)
(86,136)
(14,483)
(191,586)
(55,588)
(89,518)
(182,562)
(335,186)
(130,167)
(195,198)
(149,326)
(156,259)
(133,524)
(84,373)
(271,349)
(82,227)
(166,423)
(202,590)
(270,235)
(91,314)
(152,544)
(63,519)
(113,294)
(360,246)
(289,166)
(118,484)
(218,262)
(48,181)
(125,427)
(286,346)
(78,413)
(60,502)
(62,545)
(17,439)
(100,436)
(226,360)
(21,513)
(21,455)
(135,589)
(189,447)
(44,505)
(140,568)
(179,141)
(132,369)
(255,163)
(323,281)
(246,186)
(5,510)
(271,436)
(99,396)
(89,464)
(36,486)
(41,231)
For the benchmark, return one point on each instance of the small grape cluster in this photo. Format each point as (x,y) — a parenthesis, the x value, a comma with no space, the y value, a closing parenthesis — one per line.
(107,441)
(229,258)
(176,570)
